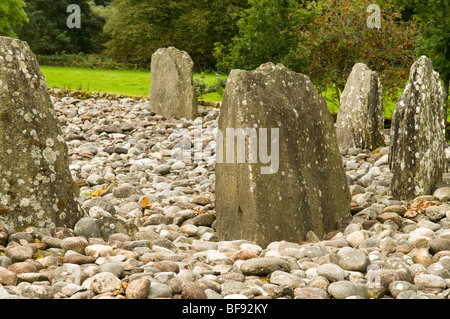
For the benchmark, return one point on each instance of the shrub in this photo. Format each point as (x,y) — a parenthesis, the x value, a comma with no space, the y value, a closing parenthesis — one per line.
(86,61)
(202,88)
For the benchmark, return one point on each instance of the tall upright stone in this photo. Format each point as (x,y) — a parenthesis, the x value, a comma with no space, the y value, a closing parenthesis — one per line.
(416,155)
(360,120)
(302,185)
(36,187)
(172,91)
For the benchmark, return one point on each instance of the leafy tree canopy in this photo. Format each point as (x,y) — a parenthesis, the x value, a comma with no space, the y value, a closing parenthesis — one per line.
(135,29)
(323,39)
(340,36)
(433,19)
(11,14)
(265,35)
(47,32)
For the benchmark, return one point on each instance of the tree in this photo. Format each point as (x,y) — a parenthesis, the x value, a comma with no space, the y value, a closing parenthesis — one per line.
(47,32)
(323,39)
(433,20)
(133,35)
(190,25)
(339,37)
(11,14)
(102,2)
(203,23)
(264,35)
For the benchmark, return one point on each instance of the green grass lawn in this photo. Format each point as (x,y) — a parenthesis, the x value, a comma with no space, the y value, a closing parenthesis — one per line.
(388,105)
(96,80)
(129,82)
(134,82)
(137,83)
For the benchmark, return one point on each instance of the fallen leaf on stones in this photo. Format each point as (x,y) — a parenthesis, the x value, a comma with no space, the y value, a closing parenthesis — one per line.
(97,192)
(416,207)
(198,211)
(144,202)
(120,289)
(105,189)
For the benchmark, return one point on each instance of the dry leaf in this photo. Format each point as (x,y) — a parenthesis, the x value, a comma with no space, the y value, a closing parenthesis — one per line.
(120,288)
(97,192)
(198,210)
(144,202)
(416,207)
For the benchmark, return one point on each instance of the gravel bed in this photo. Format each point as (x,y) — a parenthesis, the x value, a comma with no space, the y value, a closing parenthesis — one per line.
(149,225)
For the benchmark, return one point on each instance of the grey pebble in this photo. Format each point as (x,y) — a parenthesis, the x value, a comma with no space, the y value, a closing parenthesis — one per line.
(345,289)
(171,241)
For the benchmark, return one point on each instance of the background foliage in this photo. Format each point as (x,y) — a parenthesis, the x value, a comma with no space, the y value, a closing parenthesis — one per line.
(11,14)
(265,35)
(47,32)
(322,38)
(433,20)
(339,37)
(193,26)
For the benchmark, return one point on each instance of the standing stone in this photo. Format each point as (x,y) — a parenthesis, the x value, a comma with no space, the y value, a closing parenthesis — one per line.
(302,185)
(172,92)
(36,187)
(416,155)
(360,121)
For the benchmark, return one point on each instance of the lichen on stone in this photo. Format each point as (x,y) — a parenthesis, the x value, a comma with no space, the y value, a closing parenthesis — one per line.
(417,158)
(34,157)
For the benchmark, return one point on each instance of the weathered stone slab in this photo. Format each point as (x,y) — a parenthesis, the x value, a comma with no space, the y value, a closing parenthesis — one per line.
(36,187)
(172,91)
(302,185)
(416,155)
(360,120)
